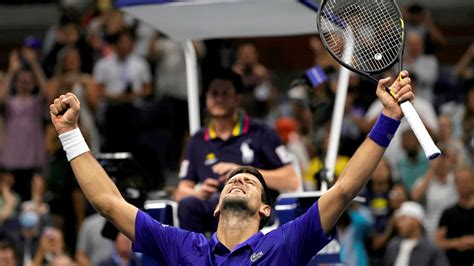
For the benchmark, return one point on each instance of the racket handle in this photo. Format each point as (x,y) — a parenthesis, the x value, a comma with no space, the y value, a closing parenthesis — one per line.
(426,142)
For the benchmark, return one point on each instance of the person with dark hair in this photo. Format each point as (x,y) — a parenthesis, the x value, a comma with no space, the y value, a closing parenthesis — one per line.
(240,208)
(22,96)
(230,139)
(7,254)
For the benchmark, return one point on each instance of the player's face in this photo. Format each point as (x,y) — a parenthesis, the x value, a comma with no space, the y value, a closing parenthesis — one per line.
(243,191)
(221,98)
(245,186)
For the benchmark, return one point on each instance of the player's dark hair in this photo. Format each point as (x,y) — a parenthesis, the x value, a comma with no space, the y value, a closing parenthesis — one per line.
(266,199)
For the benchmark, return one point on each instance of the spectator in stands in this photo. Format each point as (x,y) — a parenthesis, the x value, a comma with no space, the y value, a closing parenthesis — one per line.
(468,123)
(422,66)
(321,56)
(317,172)
(68,33)
(7,254)
(122,254)
(230,139)
(353,228)
(446,138)
(377,195)
(413,162)
(32,219)
(418,19)
(51,245)
(456,231)
(92,247)
(23,153)
(171,95)
(463,68)
(380,236)
(101,29)
(410,246)
(256,80)
(9,199)
(288,131)
(437,189)
(124,80)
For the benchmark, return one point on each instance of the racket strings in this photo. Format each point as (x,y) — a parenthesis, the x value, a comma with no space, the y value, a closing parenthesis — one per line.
(383,43)
(372,27)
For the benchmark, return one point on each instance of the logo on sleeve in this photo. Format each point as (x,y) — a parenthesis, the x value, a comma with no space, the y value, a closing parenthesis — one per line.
(183,170)
(256,256)
(283,154)
(247,153)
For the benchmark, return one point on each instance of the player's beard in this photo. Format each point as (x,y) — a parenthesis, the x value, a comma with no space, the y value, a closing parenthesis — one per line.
(237,206)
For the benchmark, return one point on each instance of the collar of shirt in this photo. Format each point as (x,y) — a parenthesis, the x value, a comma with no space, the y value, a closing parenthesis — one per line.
(218,248)
(240,128)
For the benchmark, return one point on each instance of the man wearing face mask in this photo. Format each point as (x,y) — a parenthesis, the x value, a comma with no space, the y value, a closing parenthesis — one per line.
(32,219)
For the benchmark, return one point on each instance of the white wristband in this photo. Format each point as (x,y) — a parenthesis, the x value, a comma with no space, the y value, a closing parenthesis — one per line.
(73,143)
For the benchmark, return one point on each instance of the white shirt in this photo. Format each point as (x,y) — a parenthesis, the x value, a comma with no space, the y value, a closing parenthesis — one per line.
(425,69)
(439,196)
(404,254)
(115,75)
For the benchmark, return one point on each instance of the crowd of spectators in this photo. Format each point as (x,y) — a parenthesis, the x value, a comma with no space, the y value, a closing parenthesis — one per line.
(131,82)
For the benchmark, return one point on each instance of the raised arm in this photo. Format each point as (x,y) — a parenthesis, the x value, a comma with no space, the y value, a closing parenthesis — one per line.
(14,65)
(93,180)
(32,59)
(363,162)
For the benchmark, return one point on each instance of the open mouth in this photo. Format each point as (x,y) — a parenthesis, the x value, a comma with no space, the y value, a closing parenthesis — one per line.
(236,190)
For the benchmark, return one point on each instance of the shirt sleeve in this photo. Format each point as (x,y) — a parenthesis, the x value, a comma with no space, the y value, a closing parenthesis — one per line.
(164,243)
(187,169)
(277,154)
(304,236)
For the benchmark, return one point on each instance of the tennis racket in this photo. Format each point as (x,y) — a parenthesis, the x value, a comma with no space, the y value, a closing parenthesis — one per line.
(368,37)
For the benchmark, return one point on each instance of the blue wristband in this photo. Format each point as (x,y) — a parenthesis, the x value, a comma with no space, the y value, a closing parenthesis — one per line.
(383,130)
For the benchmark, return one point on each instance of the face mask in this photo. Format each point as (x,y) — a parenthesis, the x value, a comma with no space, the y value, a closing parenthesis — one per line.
(29,219)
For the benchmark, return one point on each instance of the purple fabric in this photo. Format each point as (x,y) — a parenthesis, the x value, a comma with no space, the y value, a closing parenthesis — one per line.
(384,130)
(24,133)
(294,243)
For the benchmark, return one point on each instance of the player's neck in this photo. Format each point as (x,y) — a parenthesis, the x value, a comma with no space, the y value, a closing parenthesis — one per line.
(235,229)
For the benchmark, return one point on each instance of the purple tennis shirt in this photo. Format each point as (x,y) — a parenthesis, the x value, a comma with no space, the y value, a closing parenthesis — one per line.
(294,243)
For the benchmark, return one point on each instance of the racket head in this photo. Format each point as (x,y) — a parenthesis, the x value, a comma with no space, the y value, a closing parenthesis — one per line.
(365,36)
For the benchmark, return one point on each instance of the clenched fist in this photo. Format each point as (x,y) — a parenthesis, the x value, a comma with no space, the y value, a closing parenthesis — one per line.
(65,112)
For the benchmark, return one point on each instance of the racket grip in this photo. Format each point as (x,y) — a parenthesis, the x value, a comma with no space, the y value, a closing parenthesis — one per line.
(426,142)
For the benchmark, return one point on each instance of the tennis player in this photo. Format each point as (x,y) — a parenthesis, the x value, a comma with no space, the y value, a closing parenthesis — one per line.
(242,204)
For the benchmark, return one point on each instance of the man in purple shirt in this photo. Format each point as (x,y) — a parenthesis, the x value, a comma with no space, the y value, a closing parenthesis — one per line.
(242,204)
